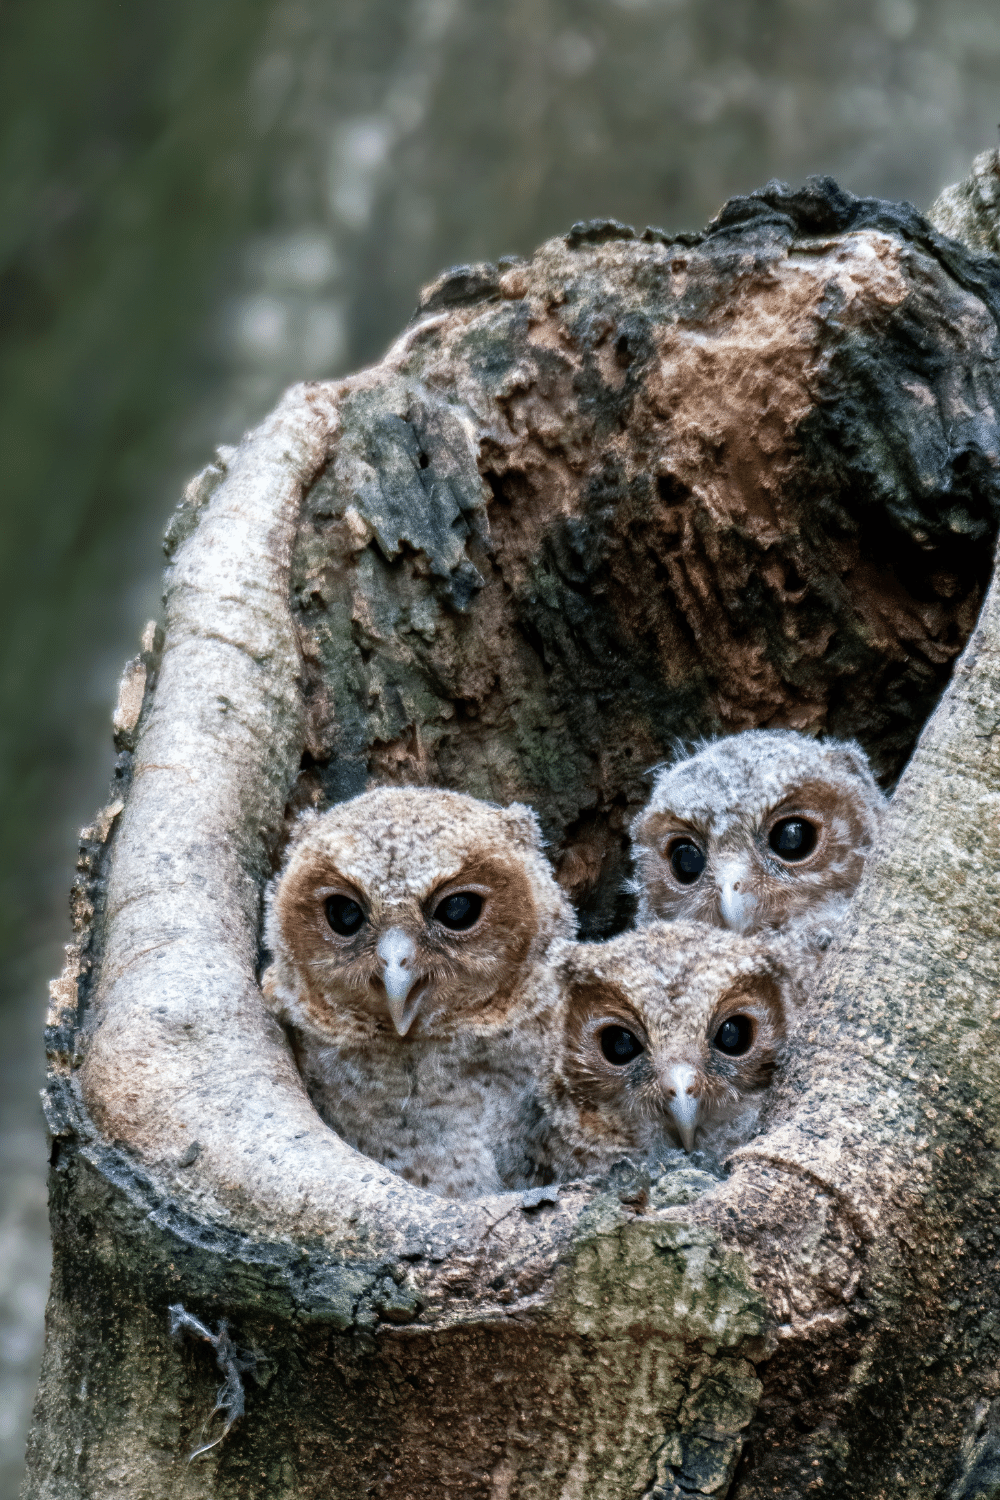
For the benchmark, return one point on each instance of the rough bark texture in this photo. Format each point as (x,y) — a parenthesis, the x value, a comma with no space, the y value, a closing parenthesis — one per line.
(676,489)
(970,210)
(632,490)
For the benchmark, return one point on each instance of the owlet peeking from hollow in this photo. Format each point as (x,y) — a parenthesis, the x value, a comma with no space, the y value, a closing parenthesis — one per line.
(408,929)
(765,829)
(664,1037)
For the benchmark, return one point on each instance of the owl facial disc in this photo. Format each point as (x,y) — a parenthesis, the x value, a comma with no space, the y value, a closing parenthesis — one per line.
(682,1102)
(767,829)
(397,950)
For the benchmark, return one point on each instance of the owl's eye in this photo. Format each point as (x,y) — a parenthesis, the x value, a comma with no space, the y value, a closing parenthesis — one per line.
(460,911)
(345,916)
(686,861)
(793,838)
(620,1046)
(734,1036)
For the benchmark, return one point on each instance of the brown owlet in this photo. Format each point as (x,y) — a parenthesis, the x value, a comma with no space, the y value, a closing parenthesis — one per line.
(664,1037)
(408,929)
(765,829)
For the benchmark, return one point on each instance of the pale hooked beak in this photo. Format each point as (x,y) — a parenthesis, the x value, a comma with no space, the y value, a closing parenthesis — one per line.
(397,950)
(736,903)
(683,1103)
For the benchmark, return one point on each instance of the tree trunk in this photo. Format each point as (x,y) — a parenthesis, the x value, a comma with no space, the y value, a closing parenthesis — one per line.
(633,490)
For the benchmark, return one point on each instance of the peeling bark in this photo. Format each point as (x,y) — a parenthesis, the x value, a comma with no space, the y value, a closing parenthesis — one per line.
(632,490)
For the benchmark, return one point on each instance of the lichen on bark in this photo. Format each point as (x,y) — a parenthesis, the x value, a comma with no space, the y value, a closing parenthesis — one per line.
(685,487)
(632,490)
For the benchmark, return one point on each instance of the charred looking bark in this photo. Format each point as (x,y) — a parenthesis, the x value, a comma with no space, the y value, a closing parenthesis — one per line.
(747,479)
(635,490)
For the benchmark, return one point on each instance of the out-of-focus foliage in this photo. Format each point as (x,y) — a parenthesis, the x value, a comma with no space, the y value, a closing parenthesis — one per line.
(124,179)
(124,176)
(201,202)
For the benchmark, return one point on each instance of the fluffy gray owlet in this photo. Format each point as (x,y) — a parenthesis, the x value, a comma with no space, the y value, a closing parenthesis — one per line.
(407,929)
(765,829)
(668,1036)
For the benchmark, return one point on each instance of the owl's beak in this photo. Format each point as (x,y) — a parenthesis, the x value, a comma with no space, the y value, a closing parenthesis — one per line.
(737,904)
(682,1102)
(397,950)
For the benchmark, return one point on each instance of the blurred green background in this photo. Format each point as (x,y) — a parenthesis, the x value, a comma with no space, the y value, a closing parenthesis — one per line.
(202,202)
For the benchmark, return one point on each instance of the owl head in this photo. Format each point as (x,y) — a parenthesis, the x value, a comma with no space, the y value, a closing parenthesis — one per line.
(755,829)
(671,1034)
(410,911)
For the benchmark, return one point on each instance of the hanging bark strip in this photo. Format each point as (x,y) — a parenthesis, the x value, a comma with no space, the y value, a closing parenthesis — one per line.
(632,490)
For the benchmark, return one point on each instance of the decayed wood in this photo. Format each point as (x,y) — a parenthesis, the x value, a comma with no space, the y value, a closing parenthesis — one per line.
(631,490)
(969,210)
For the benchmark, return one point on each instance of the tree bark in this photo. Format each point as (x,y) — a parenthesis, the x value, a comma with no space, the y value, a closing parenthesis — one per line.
(630,491)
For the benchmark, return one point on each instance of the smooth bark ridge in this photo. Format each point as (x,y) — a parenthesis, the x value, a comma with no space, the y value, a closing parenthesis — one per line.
(632,490)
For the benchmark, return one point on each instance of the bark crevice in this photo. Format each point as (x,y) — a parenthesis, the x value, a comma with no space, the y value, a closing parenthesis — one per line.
(632,491)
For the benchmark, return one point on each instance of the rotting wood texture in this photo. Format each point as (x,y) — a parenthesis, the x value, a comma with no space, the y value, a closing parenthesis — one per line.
(680,488)
(632,490)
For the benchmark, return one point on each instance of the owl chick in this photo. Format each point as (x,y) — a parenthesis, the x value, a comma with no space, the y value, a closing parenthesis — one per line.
(408,928)
(667,1036)
(765,829)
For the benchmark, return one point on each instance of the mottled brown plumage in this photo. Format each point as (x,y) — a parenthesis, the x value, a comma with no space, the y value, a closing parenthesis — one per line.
(664,1037)
(409,928)
(766,829)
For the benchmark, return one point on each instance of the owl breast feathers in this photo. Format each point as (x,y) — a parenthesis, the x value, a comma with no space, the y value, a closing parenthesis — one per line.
(445,1023)
(664,1037)
(409,929)
(765,829)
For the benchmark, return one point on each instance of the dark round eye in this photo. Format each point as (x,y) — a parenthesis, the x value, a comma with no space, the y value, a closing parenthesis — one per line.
(344,915)
(460,911)
(620,1046)
(793,838)
(734,1036)
(686,861)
